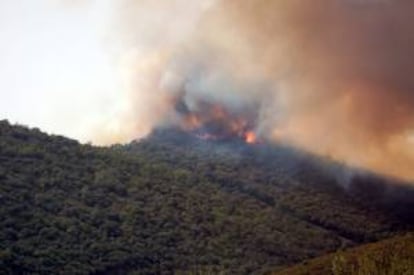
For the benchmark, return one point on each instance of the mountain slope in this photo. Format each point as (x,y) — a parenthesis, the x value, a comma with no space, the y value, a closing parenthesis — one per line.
(172,203)
(391,256)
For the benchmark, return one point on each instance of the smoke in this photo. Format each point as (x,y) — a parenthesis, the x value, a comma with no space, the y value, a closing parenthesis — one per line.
(334,77)
(146,37)
(348,76)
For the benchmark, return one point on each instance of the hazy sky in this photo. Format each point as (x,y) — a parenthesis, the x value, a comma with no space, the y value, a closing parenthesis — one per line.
(71,67)
(57,71)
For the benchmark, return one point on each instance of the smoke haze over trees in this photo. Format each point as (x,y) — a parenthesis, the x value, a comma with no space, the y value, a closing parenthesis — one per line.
(333,77)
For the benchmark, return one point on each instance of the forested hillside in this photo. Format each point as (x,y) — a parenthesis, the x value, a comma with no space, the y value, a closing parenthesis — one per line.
(174,204)
(391,256)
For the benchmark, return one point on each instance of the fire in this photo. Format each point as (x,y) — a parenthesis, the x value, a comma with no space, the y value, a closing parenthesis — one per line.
(191,122)
(250,137)
(216,121)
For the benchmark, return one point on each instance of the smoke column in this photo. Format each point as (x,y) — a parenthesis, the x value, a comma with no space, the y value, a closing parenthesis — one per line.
(333,77)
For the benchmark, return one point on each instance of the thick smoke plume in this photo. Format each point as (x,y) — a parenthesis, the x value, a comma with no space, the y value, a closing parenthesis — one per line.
(332,76)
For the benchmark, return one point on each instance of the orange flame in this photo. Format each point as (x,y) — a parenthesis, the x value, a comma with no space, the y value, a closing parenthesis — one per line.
(213,121)
(250,137)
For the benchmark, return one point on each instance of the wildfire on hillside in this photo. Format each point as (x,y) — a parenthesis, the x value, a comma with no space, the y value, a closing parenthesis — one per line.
(325,76)
(211,120)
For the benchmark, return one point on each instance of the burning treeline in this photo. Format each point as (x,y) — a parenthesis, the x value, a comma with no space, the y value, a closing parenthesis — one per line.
(215,121)
(332,76)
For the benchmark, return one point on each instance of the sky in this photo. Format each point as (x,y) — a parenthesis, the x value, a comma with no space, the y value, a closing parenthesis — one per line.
(58,71)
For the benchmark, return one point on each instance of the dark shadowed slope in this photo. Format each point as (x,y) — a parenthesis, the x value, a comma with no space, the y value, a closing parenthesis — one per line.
(173,203)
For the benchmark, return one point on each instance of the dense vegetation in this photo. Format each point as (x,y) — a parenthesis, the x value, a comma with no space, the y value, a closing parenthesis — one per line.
(393,256)
(175,204)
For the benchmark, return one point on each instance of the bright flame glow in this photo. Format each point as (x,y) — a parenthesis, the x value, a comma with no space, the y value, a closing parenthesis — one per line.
(250,137)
